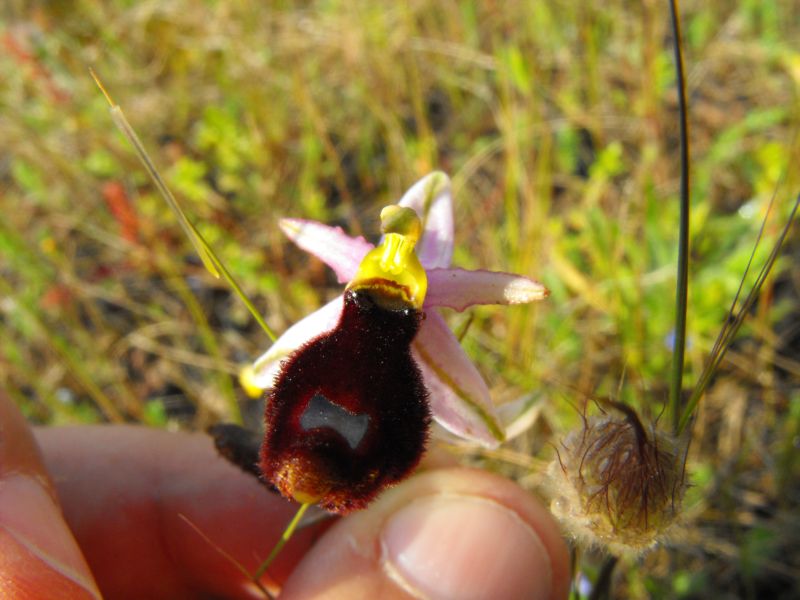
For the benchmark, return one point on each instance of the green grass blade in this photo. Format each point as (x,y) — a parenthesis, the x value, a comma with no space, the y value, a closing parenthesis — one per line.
(201,247)
(207,255)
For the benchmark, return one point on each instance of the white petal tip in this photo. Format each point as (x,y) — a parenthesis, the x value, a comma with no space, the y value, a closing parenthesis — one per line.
(290,227)
(523,290)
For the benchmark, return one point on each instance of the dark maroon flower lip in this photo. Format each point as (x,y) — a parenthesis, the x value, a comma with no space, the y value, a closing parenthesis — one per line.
(348,415)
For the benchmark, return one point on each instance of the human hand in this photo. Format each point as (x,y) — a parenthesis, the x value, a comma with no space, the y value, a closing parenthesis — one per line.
(140,513)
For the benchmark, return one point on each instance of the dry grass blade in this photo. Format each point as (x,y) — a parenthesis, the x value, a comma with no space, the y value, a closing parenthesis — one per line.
(737,315)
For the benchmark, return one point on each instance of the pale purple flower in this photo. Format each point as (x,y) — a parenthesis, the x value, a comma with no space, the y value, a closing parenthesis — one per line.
(459,397)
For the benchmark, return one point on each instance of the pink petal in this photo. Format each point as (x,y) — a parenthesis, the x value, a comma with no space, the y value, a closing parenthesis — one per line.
(432,199)
(331,245)
(459,288)
(460,400)
(323,320)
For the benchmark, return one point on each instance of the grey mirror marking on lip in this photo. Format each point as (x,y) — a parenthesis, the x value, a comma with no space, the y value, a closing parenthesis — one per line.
(321,412)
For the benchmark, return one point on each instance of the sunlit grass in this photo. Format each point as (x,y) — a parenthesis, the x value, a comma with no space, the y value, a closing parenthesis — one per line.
(557,122)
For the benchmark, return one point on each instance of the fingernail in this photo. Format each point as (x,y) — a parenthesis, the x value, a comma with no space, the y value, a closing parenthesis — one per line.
(29,515)
(449,546)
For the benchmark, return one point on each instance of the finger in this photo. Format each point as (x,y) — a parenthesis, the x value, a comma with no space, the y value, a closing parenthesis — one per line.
(37,550)
(161,515)
(454,533)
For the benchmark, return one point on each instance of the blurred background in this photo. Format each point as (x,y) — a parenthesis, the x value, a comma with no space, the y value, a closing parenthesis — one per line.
(557,122)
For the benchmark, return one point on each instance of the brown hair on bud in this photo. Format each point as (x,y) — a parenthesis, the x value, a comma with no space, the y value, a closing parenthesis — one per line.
(616,485)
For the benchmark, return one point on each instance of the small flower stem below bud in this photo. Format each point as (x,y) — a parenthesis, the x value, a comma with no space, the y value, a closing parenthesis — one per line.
(285,537)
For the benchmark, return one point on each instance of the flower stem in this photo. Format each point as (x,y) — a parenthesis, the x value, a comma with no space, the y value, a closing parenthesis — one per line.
(285,537)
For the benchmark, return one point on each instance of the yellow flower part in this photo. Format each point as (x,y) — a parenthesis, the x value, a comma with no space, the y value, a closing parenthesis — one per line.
(392,271)
(248,381)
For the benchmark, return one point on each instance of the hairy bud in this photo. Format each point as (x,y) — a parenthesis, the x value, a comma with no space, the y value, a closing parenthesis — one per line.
(616,485)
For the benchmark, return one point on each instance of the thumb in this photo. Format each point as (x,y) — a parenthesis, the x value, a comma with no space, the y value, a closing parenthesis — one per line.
(450,533)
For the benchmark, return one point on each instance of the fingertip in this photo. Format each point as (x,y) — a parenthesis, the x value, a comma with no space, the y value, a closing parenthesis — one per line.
(453,533)
(458,546)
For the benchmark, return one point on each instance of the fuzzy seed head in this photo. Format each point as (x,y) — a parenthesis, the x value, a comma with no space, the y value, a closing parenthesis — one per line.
(616,485)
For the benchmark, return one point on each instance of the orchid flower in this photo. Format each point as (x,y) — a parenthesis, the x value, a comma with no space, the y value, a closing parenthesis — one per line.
(459,397)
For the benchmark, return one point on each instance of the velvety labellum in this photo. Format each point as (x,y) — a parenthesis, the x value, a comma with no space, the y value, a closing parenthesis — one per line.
(348,414)
(322,413)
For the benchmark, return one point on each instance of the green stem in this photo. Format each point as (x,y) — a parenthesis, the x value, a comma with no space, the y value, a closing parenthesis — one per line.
(285,537)
(682,284)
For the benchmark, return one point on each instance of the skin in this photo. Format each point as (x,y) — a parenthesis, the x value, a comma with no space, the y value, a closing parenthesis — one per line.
(129,512)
